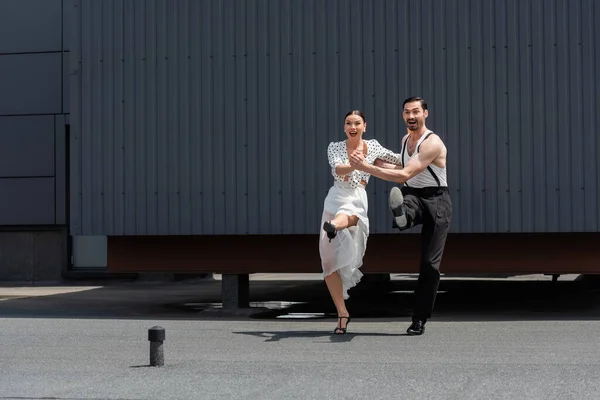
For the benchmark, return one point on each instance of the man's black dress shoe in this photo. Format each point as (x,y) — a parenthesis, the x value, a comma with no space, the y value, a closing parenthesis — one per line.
(416,328)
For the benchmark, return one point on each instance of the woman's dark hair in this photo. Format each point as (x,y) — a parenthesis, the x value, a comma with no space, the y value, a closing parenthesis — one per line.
(356,112)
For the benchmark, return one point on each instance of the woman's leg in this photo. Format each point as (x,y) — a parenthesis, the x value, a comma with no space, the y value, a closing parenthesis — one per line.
(342,221)
(334,284)
(334,281)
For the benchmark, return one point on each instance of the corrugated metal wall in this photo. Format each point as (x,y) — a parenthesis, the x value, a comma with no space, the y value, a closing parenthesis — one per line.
(213,117)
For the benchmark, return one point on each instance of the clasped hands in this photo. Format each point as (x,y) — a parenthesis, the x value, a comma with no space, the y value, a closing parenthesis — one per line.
(357,160)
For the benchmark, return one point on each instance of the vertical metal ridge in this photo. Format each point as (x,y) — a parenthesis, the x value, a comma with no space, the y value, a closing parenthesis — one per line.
(275,111)
(161,119)
(477,164)
(75,94)
(596,102)
(453,110)
(502,119)
(220,85)
(376,121)
(551,131)
(108,100)
(259,128)
(96,128)
(577,155)
(228,116)
(140,136)
(463,123)
(320,112)
(589,133)
(172,117)
(207,165)
(539,126)
(239,182)
(489,102)
(196,117)
(184,150)
(309,217)
(87,72)
(150,60)
(255,54)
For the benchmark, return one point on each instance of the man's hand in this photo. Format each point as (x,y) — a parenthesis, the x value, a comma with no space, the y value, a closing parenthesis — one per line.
(357,160)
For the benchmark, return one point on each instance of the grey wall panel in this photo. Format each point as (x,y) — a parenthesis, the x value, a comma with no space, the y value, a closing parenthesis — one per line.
(30,26)
(591,41)
(68,10)
(26,146)
(27,201)
(65,83)
(213,117)
(60,170)
(31,84)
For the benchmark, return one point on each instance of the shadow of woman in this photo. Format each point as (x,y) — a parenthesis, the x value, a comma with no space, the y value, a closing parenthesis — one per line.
(276,336)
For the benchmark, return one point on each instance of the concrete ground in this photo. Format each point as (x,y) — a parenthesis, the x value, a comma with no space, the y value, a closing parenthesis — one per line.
(515,337)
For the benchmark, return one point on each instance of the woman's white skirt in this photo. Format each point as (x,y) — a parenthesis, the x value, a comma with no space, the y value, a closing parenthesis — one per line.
(345,252)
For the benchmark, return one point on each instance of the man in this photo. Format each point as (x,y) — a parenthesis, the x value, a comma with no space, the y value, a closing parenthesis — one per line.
(424,200)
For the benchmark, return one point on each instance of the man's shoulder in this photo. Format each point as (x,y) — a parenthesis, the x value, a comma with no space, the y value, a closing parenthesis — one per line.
(434,138)
(433,142)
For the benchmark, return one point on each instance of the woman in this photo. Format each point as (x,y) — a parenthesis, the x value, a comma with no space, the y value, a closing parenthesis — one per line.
(343,239)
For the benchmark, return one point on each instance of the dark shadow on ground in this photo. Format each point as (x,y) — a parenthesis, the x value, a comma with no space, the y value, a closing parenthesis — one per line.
(458,300)
(329,337)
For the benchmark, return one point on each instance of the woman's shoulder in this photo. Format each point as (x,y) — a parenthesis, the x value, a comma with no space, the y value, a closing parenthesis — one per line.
(373,143)
(341,143)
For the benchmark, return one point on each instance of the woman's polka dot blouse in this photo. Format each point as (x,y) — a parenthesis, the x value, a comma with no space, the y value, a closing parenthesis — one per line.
(338,155)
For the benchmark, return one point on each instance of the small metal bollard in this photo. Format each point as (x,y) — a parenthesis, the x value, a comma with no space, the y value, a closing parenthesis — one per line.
(156,336)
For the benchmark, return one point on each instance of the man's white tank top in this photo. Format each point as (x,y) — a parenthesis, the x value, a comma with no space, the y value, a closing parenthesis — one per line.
(431,176)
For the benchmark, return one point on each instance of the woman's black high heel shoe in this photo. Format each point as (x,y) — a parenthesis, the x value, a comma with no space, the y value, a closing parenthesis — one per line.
(341,331)
(330,229)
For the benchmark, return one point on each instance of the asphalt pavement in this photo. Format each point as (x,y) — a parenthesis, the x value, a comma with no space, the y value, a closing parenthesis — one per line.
(515,337)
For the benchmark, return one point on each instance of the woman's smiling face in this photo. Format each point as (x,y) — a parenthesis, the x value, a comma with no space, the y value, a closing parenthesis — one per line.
(354,126)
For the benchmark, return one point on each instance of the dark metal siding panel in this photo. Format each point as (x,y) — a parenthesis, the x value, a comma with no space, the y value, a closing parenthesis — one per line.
(322,63)
(196,121)
(200,117)
(88,116)
(117,202)
(221,87)
(563,120)
(98,124)
(539,115)
(60,170)
(30,26)
(489,131)
(553,163)
(576,202)
(206,110)
(591,87)
(256,100)
(595,77)
(451,130)
(516,110)
(476,115)
(147,26)
(75,86)
(161,121)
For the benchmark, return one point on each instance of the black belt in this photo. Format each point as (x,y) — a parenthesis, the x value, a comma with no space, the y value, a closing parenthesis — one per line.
(429,191)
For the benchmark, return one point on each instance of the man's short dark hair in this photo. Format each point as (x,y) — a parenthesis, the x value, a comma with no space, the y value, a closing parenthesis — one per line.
(413,99)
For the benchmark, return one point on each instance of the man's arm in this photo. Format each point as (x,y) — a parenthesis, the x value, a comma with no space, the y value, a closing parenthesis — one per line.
(428,151)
